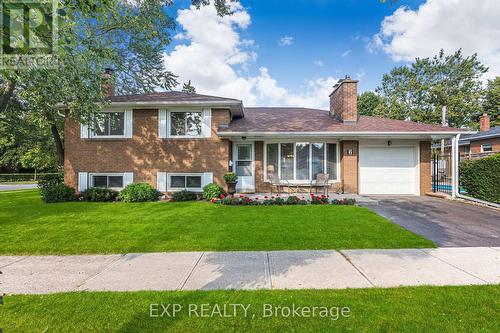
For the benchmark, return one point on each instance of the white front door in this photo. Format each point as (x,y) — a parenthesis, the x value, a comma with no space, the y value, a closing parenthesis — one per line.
(388,170)
(244,166)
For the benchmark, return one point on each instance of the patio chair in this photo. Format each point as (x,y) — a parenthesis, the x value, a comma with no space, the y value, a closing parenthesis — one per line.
(320,181)
(275,181)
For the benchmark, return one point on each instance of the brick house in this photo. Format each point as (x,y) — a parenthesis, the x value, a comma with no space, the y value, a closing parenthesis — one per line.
(485,142)
(176,141)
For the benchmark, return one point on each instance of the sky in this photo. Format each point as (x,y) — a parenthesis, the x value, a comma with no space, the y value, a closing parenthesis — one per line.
(291,53)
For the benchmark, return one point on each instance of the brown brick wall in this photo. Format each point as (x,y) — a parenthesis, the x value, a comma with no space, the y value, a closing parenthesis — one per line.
(349,166)
(344,102)
(425,167)
(145,154)
(475,146)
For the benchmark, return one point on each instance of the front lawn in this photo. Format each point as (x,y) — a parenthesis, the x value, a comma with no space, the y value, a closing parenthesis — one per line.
(415,309)
(30,226)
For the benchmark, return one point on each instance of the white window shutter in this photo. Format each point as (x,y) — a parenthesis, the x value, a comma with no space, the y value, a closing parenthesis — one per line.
(128,178)
(208,177)
(207,123)
(162,124)
(84,131)
(161,181)
(83,181)
(129,115)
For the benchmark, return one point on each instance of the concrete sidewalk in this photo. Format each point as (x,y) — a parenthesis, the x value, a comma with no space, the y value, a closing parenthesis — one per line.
(250,270)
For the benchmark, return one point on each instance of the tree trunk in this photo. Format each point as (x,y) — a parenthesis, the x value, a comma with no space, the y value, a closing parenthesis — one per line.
(10,85)
(57,137)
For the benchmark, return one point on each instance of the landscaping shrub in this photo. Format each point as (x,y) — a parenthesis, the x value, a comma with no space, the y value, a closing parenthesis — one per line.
(319,200)
(57,192)
(292,200)
(184,196)
(481,178)
(50,178)
(98,194)
(138,192)
(211,191)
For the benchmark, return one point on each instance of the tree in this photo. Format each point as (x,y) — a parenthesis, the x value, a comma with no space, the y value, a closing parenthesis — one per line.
(491,103)
(188,88)
(128,36)
(368,102)
(420,90)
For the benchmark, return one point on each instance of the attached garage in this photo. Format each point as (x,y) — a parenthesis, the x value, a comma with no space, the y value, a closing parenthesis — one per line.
(388,170)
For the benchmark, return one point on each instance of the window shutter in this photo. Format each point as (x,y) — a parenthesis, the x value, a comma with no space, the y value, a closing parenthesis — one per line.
(207,123)
(83,181)
(161,181)
(129,115)
(162,124)
(84,131)
(128,178)
(207,178)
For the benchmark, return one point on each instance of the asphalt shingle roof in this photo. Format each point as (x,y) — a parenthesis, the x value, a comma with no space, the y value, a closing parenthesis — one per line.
(268,119)
(169,96)
(495,131)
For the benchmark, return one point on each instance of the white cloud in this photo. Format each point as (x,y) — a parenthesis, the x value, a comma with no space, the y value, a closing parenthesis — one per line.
(360,74)
(443,24)
(345,53)
(319,63)
(285,41)
(217,60)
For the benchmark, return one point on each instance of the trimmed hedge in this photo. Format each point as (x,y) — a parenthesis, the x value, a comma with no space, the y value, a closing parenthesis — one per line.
(98,194)
(184,196)
(57,192)
(481,178)
(21,177)
(138,192)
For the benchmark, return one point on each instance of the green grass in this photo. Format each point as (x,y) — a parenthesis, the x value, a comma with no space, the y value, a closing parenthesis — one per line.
(30,226)
(415,309)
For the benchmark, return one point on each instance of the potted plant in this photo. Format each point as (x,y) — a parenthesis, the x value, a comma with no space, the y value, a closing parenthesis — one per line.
(231,179)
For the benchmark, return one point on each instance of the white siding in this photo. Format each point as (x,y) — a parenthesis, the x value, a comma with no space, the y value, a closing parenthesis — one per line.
(128,178)
(207,123)
(161,181)
(162,123)
(83,181)
(129,123)
(208,177)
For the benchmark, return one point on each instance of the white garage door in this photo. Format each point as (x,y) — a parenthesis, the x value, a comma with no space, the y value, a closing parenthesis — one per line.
(388,170)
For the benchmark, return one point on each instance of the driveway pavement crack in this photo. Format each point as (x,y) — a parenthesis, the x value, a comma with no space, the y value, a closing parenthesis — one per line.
(183,284)
(356,268)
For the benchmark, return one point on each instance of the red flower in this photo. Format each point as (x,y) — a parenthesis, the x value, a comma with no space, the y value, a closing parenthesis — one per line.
(265,197)
(256,198)
(222,196)
(312,195)
(241,196)
(272,197)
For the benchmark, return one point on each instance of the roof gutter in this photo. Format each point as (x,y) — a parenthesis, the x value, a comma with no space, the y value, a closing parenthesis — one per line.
(334,134)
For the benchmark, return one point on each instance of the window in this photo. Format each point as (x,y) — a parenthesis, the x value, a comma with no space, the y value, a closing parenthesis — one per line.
(486,148)
(110,124)
(186,123)
(185,182)
(107,181)
(301,161)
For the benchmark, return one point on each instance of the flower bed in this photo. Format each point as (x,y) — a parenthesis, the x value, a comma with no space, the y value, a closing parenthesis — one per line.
(280,201)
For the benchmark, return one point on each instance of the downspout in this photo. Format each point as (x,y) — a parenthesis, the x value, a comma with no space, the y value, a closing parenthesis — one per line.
(454,166)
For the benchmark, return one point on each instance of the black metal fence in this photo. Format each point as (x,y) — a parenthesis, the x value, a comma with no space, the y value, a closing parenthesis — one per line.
(441,173)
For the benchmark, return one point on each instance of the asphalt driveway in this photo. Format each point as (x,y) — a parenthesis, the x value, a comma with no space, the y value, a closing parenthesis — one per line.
(447,223)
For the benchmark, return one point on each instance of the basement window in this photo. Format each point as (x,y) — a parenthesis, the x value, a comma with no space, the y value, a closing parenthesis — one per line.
(112,181)
(486,148)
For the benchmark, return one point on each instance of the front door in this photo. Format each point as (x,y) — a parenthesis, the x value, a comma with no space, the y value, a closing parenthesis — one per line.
(243,166)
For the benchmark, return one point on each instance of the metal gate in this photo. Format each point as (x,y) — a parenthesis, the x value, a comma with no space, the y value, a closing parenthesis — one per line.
(441,173)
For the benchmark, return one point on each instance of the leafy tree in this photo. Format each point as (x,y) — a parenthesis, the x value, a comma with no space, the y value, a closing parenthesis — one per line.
(420,90)
(189,88)
(128,36)
(492,101)
(368,102)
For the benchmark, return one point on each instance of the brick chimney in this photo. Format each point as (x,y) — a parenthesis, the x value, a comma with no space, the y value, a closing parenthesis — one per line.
(344,100)
(484,123)
(108,84)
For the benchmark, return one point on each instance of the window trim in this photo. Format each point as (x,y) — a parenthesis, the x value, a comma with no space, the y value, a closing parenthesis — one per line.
(108,174)
(310,142)
(183,110)
(486,144)
(93,135)
(185,174)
